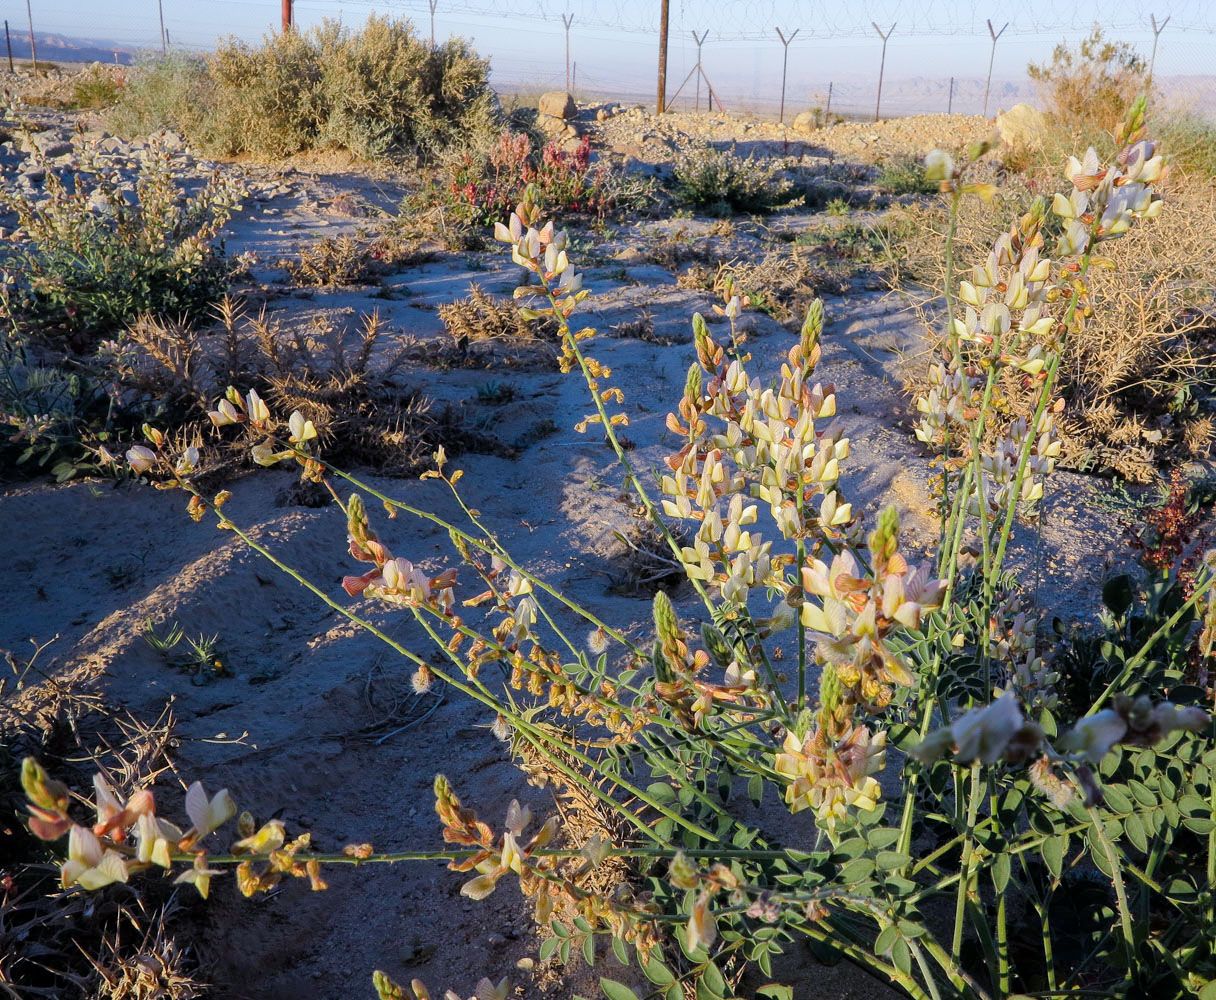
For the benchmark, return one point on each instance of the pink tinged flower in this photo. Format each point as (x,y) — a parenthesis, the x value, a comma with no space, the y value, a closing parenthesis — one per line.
(141,459)
(208,814)
(89,865)
(702,928)
(355,585)
(200,875)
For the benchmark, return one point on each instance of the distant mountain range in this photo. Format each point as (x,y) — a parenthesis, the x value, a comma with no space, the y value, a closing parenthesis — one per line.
(854,95)
(60,48)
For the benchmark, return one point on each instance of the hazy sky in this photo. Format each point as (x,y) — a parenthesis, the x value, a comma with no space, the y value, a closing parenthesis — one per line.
(614,42)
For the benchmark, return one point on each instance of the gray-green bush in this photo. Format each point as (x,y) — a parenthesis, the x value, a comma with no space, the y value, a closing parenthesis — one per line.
(374,91)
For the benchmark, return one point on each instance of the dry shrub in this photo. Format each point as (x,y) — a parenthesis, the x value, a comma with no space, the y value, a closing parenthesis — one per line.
(644,561)
(678,248)
(353,259)
(1137,380)
(373,92)
(341,379)
(783,283)
(1091,85)
(483,319)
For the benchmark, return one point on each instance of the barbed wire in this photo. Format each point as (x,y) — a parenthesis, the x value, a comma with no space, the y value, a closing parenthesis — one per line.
(817,18)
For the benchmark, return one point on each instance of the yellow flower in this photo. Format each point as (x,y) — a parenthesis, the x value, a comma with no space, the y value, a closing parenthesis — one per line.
(199,876)
(89,865)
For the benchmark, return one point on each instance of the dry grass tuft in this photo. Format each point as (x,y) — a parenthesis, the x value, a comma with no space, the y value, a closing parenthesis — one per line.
(1138,380)
(354,260)
(782,284)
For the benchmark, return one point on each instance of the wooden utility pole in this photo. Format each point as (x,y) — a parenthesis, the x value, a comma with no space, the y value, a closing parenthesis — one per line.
(287,18)
(991,59)
(8,42)
(432,4)
(33,49)
(664,11)
(164,45)
(882,65)
(568,20)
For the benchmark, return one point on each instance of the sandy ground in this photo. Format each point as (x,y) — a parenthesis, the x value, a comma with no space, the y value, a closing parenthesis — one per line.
(318,725)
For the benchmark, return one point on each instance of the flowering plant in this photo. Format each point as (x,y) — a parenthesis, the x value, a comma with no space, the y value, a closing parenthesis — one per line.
(909,863)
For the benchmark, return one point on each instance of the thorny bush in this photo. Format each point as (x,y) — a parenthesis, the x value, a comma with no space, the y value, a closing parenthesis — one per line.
(944,805)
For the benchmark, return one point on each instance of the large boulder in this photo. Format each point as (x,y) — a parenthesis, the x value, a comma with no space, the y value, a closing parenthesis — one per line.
(805,122)
(1022,127)
(557,104)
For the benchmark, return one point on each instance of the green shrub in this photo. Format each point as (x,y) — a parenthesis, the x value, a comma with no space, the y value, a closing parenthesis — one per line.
(904,175)
(723,182)
(373,92)
(96,87)
(163,92)
(1191,140)
(90,261)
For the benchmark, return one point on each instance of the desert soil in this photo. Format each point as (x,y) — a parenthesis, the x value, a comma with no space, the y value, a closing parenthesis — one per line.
(318,724)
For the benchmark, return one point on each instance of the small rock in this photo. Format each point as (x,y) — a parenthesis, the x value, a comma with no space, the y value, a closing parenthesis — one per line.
(557,104)
(495,940)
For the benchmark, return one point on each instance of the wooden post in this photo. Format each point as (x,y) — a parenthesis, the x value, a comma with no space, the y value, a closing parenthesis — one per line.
(661,102)
(287,18)
(950,100)
(882,65)
(995,35)
(828,110)
(164,44)
(8,42)
(784,62)
(33,50)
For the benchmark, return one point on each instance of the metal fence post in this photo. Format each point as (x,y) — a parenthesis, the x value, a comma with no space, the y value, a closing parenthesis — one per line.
(882,65)
(992,58)
(784,63)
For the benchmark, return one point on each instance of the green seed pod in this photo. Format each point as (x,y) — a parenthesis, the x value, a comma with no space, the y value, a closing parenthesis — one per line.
(716,645)
(812,326)
(704,345)
(662,669)
(385,988)
(802,724)
(666,624)
(692,383)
